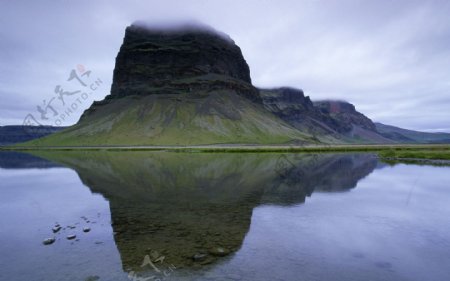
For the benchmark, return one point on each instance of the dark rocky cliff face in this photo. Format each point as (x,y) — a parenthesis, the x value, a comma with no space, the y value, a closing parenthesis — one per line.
(346,114)
(179,60)
(294,107)
(323,119)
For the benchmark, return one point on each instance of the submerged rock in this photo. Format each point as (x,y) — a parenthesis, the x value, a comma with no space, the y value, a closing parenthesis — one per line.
(219,252)
(71,237)
(56,229)
(86,229)
(199,257)
(49,241)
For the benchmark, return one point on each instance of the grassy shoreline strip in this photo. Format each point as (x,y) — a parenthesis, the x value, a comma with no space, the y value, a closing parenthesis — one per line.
(242,148)
(399,152)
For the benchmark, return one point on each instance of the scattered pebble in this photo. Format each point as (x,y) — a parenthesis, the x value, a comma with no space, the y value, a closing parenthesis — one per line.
(49,241)
(72,236)
(199,257)
(56,229)
(219,252)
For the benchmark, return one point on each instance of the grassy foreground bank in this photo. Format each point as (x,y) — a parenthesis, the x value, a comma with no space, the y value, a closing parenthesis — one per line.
(437,152)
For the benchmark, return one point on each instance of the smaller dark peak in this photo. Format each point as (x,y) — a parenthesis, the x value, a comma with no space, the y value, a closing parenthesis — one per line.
(289,91)
(345,113)
(286,93)
(284,89)
(334,106)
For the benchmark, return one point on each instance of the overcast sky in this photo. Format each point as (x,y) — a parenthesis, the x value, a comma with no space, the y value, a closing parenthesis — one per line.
(389,58)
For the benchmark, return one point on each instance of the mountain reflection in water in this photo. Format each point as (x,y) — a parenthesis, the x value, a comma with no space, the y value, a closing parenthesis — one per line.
(200,205)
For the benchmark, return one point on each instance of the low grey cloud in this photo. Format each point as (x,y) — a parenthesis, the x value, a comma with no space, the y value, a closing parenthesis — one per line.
(389,58)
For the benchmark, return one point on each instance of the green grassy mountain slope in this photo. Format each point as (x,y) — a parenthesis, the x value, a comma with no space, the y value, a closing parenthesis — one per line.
(174,119)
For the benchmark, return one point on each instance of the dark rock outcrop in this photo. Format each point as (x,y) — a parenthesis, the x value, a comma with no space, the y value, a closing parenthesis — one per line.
(189,58)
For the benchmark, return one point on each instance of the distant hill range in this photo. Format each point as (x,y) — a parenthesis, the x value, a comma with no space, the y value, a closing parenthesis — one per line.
(410,136)
(17,134)
(191,85)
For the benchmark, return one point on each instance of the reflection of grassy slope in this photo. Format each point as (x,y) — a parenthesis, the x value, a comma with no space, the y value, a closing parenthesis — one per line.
(218,117)
(172,176)
(208,177)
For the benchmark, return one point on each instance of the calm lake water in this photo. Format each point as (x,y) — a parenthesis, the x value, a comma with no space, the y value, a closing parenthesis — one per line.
(177,216)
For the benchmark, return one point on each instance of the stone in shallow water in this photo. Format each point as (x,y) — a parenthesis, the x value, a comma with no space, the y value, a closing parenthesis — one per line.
(49,241)
(72,236)
(199,257)
(86,229)
(56,229)
(219,252)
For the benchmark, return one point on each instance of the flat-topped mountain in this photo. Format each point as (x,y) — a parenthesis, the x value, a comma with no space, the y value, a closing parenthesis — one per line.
(175,86)
(173,60)
(190,84)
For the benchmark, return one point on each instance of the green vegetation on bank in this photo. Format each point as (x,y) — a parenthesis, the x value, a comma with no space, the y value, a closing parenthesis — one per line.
(437,152)
(432,154)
